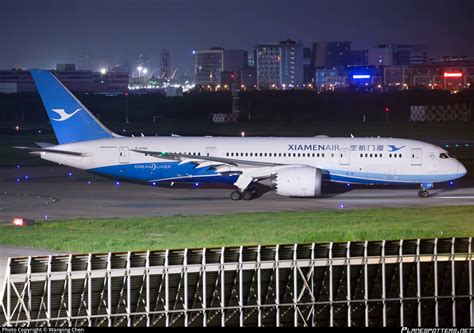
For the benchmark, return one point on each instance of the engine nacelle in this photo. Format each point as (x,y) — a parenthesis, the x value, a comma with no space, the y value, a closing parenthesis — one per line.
(299,182)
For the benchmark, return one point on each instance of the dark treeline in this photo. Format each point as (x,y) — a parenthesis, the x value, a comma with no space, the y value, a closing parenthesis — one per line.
(256,105)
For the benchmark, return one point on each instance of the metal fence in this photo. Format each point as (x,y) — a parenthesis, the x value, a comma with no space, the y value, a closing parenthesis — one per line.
(384,283)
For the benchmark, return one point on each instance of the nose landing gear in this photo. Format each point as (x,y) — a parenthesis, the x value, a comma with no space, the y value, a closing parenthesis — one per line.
(423,192)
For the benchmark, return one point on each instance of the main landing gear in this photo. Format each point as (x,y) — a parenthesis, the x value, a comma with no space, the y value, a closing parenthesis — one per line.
(247,194)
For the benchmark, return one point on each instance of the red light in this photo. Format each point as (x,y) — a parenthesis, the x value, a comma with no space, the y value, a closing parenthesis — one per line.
(21,222)
(446,74)
(387,109)
(18,221)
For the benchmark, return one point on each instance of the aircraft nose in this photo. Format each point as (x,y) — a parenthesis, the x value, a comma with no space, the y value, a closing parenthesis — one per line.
(461,170)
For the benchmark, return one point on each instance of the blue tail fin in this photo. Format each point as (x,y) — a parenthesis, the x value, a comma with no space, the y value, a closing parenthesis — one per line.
(71,120)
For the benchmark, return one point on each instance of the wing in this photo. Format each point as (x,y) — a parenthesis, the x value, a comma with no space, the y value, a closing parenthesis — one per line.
(250,171)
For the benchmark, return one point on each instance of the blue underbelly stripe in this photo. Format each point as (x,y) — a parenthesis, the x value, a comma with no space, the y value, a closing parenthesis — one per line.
(187,172)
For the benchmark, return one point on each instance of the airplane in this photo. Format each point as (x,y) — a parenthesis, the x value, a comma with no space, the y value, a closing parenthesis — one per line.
(292,166)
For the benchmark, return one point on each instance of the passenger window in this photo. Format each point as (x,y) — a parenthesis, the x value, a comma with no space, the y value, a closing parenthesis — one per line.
(390,155)
(322,155)
(451,155)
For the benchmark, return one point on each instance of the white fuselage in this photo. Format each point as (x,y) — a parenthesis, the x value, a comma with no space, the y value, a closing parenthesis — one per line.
(349,160)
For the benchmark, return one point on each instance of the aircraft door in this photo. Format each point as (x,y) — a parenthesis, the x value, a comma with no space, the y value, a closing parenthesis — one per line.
(416,156)
(123,155)
(211,151)
(344,157)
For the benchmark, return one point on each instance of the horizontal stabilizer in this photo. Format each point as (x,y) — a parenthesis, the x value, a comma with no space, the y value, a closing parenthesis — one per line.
(45,144)
(53,151)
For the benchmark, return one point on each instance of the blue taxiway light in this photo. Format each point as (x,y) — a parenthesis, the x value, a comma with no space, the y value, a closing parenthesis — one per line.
(117,183)
(154,183)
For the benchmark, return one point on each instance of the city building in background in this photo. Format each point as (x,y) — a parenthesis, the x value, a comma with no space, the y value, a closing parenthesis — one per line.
(248,77)
(280,64)
(332,54)
(452,77)
(104,81)
(397,55)
(209,64)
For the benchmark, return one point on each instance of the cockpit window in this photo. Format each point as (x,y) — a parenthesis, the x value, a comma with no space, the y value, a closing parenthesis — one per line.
(443,156)
(451,155)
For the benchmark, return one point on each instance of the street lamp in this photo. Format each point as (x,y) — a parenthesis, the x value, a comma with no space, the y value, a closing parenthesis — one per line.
(139,69)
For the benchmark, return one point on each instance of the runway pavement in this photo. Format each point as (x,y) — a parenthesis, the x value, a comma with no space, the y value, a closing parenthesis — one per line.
(52,193)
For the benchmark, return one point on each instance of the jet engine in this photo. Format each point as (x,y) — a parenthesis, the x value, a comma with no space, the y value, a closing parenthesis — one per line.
(298,181)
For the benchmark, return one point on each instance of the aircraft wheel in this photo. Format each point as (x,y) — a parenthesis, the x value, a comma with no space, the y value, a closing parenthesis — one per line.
(247,195)
(236,195)
(423,194)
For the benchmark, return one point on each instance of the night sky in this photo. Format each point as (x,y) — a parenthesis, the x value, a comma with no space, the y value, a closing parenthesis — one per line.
(41,33)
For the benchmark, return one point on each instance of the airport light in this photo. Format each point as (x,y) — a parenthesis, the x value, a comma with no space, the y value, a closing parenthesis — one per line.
(452,75)
(242,134)
(103,71)
(145,70)
(21,222)
(361,76)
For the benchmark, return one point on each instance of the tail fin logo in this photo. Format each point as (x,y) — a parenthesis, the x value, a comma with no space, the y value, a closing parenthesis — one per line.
(63,116)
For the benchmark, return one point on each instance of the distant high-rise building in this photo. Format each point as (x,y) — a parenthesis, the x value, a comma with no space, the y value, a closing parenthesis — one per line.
(280,64)
(165,65)
(397,55)
(332,54)
(209,64)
